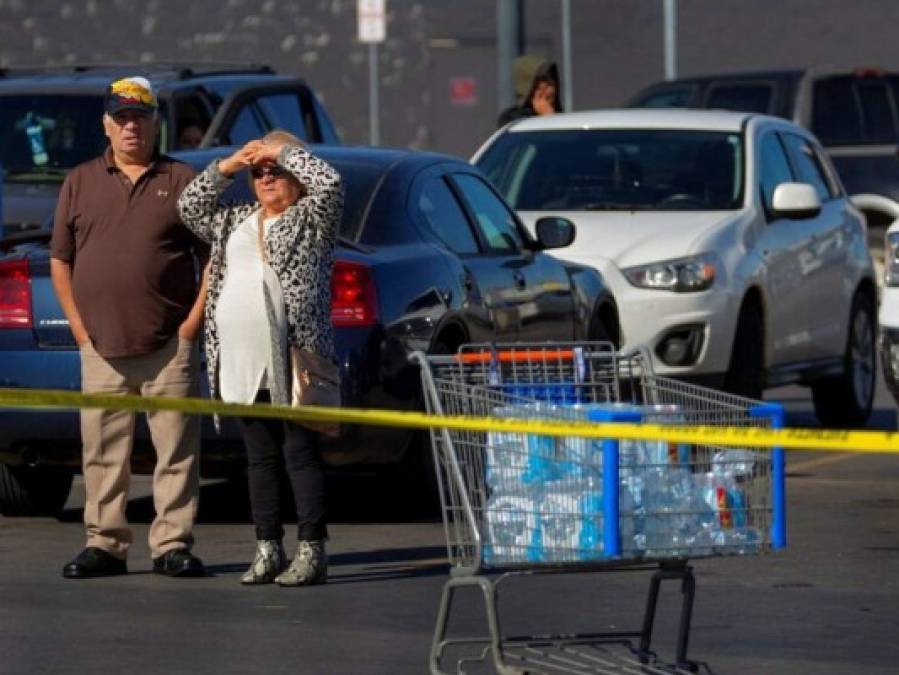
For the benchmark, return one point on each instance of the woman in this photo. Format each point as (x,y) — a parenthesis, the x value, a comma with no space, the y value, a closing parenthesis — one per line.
(285,288)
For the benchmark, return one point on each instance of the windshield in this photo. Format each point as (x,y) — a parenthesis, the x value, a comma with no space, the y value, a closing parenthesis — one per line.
(43,134)
(647,169)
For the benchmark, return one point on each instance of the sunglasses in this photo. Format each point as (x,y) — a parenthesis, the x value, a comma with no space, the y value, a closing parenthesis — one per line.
(273,171)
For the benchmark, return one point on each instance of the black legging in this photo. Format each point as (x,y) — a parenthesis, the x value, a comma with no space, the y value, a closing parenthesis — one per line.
(274,446)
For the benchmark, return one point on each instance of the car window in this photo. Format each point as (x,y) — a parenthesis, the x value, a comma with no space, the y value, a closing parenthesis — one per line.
(807,165)
(877,113)
(246,126)
(283,111)
(743,97)
(495,222)
(192,118)
(774,167)
(326,127)
(668,98)
(445,218)
(360,180)
(606,169)
(836,118)
(42,132)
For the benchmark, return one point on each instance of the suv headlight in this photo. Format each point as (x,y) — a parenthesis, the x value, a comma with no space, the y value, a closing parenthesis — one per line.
(891,264)
(684,275)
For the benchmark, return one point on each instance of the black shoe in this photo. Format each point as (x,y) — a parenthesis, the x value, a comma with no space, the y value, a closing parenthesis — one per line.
(94,562)
(179,562)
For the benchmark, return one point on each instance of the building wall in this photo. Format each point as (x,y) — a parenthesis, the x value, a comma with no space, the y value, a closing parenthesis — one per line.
(617,46)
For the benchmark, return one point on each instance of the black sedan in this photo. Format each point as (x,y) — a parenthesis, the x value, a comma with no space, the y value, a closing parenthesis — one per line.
(431,257)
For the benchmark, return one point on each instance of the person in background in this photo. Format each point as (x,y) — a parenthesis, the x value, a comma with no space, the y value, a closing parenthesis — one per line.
(270,289)
(125,272)
(190,136)
(537,89)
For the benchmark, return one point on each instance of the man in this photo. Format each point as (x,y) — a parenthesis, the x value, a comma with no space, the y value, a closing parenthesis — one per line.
(536,89)
(124,270)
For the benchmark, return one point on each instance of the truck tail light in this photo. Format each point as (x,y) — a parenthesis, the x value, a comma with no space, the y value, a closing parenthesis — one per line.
(15,294)
(353,295)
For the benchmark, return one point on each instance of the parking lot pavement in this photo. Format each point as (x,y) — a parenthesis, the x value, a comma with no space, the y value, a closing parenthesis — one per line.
(826,605)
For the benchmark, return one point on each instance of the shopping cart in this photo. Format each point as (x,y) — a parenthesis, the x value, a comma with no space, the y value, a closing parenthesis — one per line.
(515,503)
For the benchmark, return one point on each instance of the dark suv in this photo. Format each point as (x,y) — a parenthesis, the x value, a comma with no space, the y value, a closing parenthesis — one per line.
(50,121)
(853,114)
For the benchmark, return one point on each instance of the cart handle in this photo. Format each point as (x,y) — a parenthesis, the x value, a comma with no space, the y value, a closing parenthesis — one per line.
(516,356)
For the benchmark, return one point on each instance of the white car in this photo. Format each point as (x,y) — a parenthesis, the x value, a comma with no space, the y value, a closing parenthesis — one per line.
(888,312)
(727,239)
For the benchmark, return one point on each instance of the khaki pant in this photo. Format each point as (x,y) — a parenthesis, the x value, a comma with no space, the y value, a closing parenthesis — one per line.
(108,437)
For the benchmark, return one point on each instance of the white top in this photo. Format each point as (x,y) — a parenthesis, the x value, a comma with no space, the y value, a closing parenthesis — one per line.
(245,353)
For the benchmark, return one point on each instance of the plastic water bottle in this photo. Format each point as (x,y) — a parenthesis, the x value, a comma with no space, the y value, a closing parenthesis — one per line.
(590,536)
(735,463)
(513,529)
(560,519)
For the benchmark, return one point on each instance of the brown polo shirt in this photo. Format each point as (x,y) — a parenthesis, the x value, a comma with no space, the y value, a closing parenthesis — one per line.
(133,273)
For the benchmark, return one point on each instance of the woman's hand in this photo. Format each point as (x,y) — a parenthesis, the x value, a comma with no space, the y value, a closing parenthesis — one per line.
(241,159)
(267,152)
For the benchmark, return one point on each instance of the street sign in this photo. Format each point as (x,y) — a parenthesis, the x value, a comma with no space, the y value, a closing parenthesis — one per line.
(372,17)
(463,91)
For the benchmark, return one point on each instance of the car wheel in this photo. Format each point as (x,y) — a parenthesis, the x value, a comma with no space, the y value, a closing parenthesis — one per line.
(604,328)
(846,401)
(418,463)
(747,359)
(33,491)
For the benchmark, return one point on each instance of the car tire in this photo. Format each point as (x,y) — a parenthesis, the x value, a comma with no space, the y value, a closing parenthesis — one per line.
(745,372)
(418,462)
(33,491)
(604,327)
(846,401)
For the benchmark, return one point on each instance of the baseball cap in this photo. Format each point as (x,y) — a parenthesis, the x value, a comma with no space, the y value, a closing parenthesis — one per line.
(130,93)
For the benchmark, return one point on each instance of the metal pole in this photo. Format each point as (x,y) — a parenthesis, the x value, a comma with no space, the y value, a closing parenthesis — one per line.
(670,12)
(373,115)
(567,79)
(508,36)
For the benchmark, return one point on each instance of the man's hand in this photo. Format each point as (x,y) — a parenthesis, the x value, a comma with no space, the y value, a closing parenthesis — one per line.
(544,99)
(241,159)
(61,277)
(190,328)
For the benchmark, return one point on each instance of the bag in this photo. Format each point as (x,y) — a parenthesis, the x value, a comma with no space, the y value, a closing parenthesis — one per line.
(314,380)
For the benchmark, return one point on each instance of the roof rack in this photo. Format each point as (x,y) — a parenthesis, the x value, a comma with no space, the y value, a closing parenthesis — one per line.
(182,69)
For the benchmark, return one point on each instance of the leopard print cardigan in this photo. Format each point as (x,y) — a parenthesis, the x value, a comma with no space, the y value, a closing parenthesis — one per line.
(300,247)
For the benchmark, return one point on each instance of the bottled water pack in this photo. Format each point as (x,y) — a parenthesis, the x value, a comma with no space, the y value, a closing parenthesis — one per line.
(545,499)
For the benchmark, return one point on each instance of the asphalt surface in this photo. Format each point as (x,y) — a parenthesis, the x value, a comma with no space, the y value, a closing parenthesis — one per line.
(828,604)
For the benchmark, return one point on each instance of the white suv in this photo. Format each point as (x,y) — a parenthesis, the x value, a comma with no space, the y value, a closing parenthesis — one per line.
(727,239)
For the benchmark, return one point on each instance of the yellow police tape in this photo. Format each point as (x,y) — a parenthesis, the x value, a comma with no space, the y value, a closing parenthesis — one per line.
(794,439)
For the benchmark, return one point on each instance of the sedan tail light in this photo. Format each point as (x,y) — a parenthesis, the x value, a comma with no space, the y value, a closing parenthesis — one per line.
(353,295)
(15,294)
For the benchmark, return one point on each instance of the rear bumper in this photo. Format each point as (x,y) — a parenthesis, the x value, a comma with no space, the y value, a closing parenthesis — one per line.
(376,374)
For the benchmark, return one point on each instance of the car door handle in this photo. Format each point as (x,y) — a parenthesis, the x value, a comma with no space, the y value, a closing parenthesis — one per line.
(467,282)
(520,281)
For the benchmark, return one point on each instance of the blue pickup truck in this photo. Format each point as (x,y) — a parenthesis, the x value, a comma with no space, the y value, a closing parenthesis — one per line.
(429,257)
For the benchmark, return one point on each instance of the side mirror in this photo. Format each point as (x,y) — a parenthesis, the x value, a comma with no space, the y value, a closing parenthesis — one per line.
(796,200)
(554,232)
